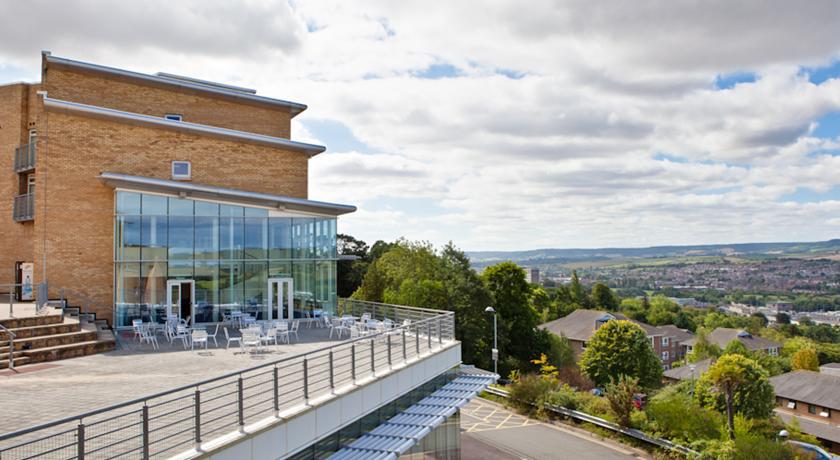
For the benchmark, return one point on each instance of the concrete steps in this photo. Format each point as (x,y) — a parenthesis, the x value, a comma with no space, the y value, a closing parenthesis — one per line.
(49,338)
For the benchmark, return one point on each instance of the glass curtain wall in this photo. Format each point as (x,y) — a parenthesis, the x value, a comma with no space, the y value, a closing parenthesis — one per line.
(230,251)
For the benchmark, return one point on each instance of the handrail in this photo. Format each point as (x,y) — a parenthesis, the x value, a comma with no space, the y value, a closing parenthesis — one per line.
(312,354)
(12,336)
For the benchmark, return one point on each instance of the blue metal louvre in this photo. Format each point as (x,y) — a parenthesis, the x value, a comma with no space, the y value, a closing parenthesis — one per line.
(401,432)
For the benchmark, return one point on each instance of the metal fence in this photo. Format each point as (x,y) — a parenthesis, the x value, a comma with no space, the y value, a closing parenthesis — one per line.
(24,208)
(168,423)
(632,432)
(25,157)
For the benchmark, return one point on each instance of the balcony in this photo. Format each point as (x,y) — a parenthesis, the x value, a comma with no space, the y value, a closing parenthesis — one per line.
(25,157)
(24,207)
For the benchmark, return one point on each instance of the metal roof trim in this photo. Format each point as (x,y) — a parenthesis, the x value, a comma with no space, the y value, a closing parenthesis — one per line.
(60,105)
(294,107)
(199,191)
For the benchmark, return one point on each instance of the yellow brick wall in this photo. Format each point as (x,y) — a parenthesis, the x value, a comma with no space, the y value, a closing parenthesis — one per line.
(157,100)
(79,208)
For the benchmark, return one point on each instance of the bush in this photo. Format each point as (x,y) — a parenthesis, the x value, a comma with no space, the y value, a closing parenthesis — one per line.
(531,389)
(574,377)
(639,420)
(620,396)
(674,415)
(565,396)
(595,405)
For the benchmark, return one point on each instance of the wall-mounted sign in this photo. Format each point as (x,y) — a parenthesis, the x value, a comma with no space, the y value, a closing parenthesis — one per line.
(26,272)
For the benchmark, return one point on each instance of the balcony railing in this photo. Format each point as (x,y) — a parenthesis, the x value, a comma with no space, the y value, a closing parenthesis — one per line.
(25,157)
(24,207)
(172,422)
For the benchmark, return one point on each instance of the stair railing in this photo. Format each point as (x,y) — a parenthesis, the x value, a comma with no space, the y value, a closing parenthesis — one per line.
(11,336)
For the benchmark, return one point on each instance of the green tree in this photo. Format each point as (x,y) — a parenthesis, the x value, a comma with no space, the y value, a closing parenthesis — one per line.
(679,418)
(620,394)
(350,273)
(509,292)
(560,352)
(577,293)
(662,311)
(782,318)
(736,347)
(703,349)
(603,297)
(621,348)
(806,359)
(634,309)
(736,384)
(791,346)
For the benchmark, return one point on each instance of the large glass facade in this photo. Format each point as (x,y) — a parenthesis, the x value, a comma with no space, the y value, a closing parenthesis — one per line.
(229,251)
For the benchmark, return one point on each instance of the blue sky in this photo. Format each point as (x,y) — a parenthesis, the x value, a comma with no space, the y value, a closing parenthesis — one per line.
(566,124)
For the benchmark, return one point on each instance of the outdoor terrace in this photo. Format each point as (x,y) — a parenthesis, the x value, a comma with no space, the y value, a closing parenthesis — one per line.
(136,402)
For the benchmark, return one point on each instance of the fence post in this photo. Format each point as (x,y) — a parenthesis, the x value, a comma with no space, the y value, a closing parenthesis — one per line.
(197,418)
(12,301)
(145,431)
(332,373)
(388,337)
(440,331)
(241,403)
(353,361)
(306,380)
(80,441)
(276,392)
(417,339)
(405,354)
(372,363)
(429,334)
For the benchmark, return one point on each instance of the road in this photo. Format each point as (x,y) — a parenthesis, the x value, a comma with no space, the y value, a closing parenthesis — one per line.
(491,432)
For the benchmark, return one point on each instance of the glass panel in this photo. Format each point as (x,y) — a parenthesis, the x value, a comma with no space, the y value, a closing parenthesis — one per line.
(304,296)
(154,238)
(256,238)
(205,208)
(325,239)
(231,238)
(256,212)
(280,269)
(325,287)
(227,210)
(206,237)
(256,284)
(153,295)
(127,293)
(128,238)
(206,292)
(154,205)
(181,269)
(280,238)
(231,288)
(179,207)
(128,203)
(180,238)
(302,237)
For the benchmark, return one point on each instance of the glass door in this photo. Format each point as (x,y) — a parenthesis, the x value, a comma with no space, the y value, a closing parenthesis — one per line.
(180,295)
(173,299)
(280,305)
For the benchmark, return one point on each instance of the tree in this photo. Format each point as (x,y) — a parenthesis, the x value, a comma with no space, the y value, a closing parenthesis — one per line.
(603,297)
(806,359)
(662,311)
(350,273)
(791,346)
(703,349)
(578,295)
(509,292)
(737,384)
(782,318)
(620,394)
(621,348)
(560,352)
(736,347)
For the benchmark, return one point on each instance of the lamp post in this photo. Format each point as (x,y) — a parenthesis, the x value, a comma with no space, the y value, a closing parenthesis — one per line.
(495,340)
(692,367)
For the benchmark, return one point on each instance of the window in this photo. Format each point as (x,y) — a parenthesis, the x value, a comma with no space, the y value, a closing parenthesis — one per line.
(181,170)
(33,135)
(665,342)
(773,351)
(825,413)
(812,409)
(30,184)
(665,356)
(173,117)
(791,405)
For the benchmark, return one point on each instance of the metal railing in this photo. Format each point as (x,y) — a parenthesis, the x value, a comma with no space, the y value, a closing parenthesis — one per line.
(171,422)
(584,417)
(25,157)
(24,207)
(11,336)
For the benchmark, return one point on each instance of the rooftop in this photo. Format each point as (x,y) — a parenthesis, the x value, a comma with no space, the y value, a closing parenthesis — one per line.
(684,372)
(581,325)
(723,335)
(809,387)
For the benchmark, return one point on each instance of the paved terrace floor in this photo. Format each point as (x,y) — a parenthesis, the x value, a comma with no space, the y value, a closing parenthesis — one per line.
(53,390)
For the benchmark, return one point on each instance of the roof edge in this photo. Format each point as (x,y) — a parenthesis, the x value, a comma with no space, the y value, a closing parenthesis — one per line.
(294,107)
(199,191)
(96,111)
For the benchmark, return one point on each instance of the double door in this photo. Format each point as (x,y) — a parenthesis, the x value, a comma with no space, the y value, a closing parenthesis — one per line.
(280,298)
(180,299)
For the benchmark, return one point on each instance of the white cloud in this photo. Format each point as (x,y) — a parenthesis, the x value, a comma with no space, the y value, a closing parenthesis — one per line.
(567,154)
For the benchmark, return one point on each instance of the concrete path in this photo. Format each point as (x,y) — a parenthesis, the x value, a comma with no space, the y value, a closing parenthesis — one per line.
(489,431)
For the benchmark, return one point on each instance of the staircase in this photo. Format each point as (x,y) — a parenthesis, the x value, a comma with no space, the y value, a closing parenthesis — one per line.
(50,337)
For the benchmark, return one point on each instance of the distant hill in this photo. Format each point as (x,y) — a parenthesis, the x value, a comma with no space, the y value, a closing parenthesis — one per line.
(538,257)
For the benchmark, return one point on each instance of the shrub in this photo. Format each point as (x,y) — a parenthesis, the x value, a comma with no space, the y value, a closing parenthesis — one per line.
(531,389)
(574,377)
(675,416)
(564,396)
(595,405)
(620,396)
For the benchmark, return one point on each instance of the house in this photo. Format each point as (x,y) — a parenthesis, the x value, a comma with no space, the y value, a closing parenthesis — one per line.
(675,339)
(723,335)
(579,326)
(166,196)
(830,368)
(689,371)
(813,400)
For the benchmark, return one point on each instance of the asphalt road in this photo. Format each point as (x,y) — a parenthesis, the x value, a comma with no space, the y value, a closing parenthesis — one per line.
(490,432)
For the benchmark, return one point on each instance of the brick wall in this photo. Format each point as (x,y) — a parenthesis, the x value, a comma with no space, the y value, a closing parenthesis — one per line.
(802,411)
(79,208)
(145,98)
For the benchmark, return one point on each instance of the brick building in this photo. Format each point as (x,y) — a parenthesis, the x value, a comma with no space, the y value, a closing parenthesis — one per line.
(157,194)
(813,400)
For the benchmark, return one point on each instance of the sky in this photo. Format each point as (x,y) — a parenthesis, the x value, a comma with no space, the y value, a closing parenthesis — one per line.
(503,125)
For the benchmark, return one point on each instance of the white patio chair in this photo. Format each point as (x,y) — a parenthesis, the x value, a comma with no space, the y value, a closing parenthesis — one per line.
(355,332)
(232,340)
(198,336)
(148,336)
(137,326)
(251,338)
(338,326)
(283,331)
(182,333)
(213,336)
(365,317)
(295,328)
(269,336)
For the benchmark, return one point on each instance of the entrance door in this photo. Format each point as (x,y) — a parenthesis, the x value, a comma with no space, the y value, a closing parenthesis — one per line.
(280,305)
(180,295)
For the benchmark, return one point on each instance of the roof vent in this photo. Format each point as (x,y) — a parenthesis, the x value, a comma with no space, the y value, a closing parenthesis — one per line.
(744,335)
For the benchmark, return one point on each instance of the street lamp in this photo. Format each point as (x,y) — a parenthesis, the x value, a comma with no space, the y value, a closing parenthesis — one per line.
(495,340)
(692,367)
